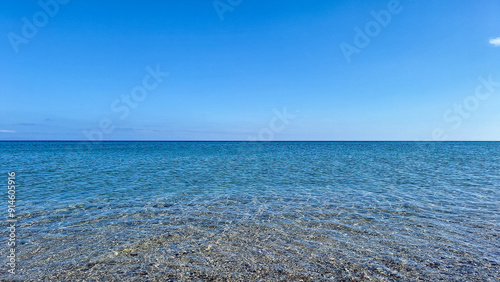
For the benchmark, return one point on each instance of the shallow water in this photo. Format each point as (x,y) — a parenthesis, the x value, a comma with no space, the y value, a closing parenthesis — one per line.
(384,211)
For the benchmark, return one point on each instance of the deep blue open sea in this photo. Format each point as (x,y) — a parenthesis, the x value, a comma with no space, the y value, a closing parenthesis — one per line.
(244,211)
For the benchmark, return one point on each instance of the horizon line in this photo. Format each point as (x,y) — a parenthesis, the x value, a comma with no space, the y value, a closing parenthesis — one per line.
(249,141)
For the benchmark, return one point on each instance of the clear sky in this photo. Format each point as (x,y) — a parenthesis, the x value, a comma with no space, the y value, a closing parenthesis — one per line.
(250,70)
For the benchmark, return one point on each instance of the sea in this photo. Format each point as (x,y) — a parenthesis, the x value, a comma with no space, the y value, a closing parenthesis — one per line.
(252,211)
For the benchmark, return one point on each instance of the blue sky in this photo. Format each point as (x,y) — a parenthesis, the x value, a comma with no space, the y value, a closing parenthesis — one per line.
(250,70)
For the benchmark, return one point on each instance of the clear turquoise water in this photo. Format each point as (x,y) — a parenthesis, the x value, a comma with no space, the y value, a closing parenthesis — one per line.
(384,211)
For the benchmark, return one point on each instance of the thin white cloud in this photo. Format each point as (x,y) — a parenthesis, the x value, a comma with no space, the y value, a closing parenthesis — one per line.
(6,131)
(495,41)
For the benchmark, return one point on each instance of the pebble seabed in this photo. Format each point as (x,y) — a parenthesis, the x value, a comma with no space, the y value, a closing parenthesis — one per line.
(247,251)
